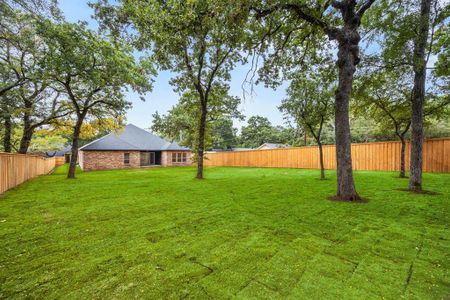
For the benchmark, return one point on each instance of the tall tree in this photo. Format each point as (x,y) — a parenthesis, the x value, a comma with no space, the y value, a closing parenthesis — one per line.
(31,96)
(176,125)
(93,72)
(406,32)
(385,96)
(19,54)
(292,29)
(198,40)
(5,109)
(39,105)
(181,122)
(24,88)
(418,95)
(259,130)
(310,102)
(223,134)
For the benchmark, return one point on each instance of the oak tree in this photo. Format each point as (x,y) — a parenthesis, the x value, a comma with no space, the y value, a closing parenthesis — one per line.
(405,31)
(181,122)
(386,98)
(310,99)
(294,28)
(197,40)
(93,72)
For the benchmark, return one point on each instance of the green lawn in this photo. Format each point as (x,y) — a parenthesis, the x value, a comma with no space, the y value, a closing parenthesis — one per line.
(241,233)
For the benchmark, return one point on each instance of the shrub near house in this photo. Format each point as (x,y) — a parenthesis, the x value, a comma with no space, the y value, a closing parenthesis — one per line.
(133,147)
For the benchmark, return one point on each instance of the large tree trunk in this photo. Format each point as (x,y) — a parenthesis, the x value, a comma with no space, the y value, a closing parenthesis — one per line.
(27,133)
(26,139)
(75,142)
(7,133)
(201,142)
(420,43)
(402,158)
(322,169)
(347,60)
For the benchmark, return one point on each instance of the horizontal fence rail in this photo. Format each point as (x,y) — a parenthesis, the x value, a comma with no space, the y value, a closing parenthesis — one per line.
(377,156)
(18,168)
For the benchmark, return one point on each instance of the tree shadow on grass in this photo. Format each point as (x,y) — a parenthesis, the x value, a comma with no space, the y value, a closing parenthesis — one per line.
(337,199)
(422,192)
(323,179)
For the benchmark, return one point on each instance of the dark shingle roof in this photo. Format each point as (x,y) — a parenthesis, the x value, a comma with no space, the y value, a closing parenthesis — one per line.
(132,138)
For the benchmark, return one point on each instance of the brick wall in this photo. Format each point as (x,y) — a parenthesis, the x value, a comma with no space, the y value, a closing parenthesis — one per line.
(102,160)
(166,159)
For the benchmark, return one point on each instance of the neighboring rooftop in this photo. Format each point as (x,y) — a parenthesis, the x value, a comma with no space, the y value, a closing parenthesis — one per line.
(132,137)
(272,146)
(241,149)
(58,153)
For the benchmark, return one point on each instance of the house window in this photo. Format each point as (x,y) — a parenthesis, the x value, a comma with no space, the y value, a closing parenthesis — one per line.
(178,157)
(126,158)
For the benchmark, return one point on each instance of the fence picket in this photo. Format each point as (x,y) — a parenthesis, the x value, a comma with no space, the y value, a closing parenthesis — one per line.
(18,168)
(377,156)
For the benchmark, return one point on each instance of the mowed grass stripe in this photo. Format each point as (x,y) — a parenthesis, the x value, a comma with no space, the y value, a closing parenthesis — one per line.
(240,233)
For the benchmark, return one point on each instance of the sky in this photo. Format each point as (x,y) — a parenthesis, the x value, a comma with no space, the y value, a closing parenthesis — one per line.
(263,102)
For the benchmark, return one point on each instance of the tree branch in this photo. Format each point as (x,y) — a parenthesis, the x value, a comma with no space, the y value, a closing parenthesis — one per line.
(191,70)
(429,111)
(364,7)
(216,68)
(299,10)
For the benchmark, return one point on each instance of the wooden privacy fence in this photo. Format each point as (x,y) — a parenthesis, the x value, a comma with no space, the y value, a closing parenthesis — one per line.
(378,156)
(17,168)
(59,161)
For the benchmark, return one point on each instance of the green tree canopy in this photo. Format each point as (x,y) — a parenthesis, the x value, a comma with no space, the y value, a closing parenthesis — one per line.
(287,31)
(26,94)
(181,121)
(310,102)
(259,130)
(93,72)
(198,40)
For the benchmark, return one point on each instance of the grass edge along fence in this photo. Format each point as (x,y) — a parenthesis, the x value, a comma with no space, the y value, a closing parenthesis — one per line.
(376,156)
(18,168)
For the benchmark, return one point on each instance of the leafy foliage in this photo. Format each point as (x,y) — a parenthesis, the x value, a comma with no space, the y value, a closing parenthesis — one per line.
(386,98)
(310,99)
(259,130)
(198,40)
(26,93)
(181,122)
(93,72)
(223,134)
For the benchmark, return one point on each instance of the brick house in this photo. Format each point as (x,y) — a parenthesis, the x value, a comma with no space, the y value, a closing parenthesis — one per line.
(132,147)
